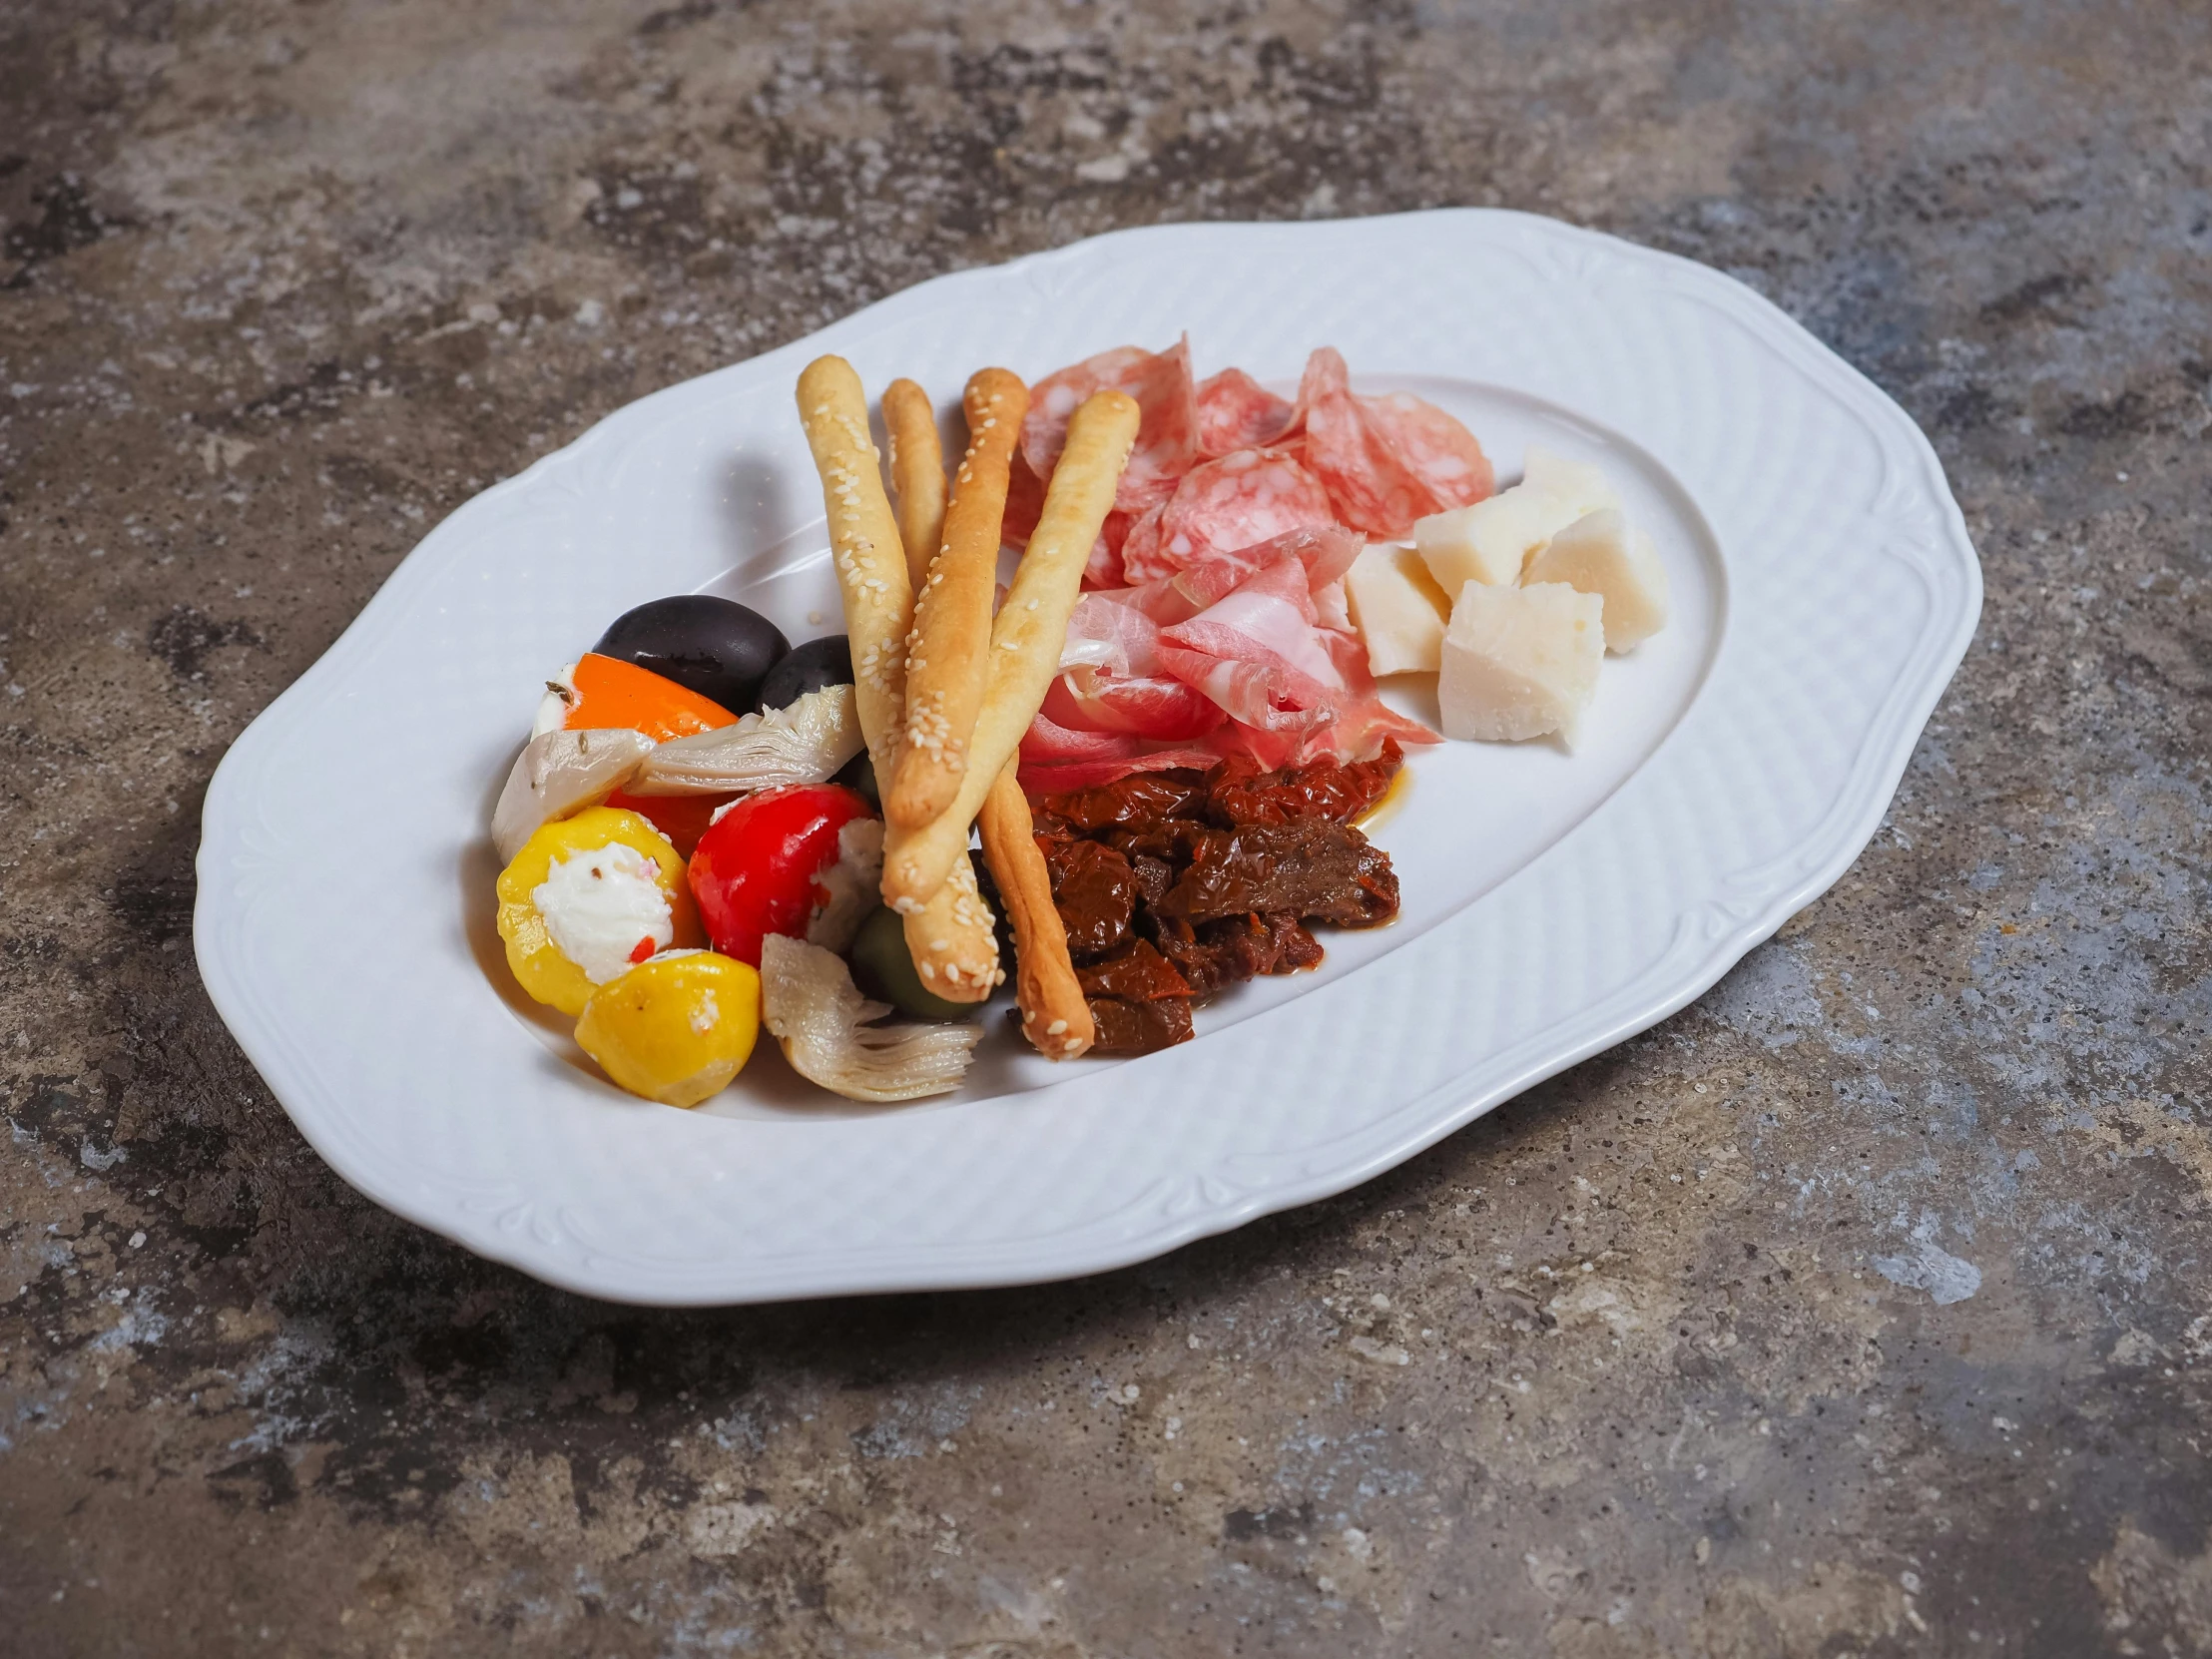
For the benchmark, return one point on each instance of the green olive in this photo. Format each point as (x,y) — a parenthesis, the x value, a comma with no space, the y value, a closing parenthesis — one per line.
(884,969)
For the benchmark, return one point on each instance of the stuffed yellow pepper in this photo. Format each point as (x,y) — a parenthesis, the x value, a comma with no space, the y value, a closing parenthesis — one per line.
(589,897)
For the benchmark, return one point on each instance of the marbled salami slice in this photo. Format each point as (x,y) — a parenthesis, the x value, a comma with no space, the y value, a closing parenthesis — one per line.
(1235,412)
(1245,498)
(1167,429)
(1384,461)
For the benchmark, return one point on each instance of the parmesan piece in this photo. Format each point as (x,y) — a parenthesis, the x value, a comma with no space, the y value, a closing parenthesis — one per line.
(1490,541)
(1519,662)
(1579,484)
(1600,554)
(1398,608)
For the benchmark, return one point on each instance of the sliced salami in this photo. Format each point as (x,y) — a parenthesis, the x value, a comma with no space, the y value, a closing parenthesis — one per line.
(1167,429)
(1245,498)
(1235,412)
(1384,461)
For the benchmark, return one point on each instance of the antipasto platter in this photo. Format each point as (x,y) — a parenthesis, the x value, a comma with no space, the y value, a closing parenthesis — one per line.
(1078,755)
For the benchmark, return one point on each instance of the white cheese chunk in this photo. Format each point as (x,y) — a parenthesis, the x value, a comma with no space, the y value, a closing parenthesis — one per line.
(1519,662)
(601,905)
(1600,554)
(1492,540)
(851,885)
(1579,484)
(1398,608)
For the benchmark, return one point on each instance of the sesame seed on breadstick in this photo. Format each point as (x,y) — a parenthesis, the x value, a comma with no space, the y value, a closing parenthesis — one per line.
(946,651)
(864,549)
(870,563)
(1026,640)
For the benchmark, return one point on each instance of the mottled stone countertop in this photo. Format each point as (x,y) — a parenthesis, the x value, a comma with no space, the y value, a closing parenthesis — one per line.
(1897,1330)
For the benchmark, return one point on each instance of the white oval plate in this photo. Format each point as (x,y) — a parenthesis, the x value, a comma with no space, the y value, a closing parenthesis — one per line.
(1554,903)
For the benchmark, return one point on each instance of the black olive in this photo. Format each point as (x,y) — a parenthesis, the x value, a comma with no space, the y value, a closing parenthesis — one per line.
(809,667)
(715,647)
(884,969)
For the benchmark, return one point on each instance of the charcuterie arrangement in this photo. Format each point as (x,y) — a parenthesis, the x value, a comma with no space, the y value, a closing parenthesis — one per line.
(1163,728)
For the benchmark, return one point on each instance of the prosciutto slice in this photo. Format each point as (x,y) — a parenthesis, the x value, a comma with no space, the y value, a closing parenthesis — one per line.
(1246,498)
(1141,706)
(1261,653)
(1054,758)
(1235,412)
(1167,427)
(1384,461)
(1324,554)
(1112,678)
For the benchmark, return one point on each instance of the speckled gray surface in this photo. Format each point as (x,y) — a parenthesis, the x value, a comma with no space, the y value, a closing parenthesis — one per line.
(1861,1309)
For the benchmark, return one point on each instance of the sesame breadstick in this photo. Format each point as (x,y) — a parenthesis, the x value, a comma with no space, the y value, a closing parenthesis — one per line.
(1026,640)
(1055,1015)
(865,549)
(953,938)
(918,473)
(952,636)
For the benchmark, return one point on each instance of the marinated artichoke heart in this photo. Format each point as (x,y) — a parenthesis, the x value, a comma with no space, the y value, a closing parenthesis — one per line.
(809,1001)
(558,773)
(803,744)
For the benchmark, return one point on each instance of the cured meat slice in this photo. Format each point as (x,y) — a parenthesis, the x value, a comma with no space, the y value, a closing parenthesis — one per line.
(1024,502)
(1235,412)
(1056,759)
(1257,654)
(1166,427)
(1327,553)
(1144,706)
(1360,731)
(1260,653)
(1103,569)
(1112,678)
(1384,461)
(1108,631)
(1243,498)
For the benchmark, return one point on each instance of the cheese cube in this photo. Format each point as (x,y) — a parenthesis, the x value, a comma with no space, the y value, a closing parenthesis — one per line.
(1577,483)
(1399,610)
(1600,554)
(1519,662)
(1492,540)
